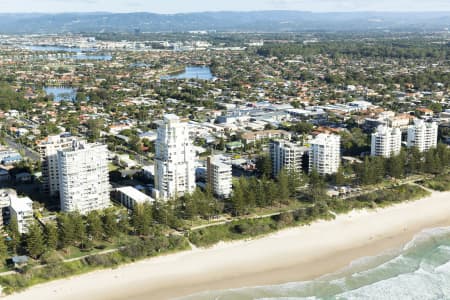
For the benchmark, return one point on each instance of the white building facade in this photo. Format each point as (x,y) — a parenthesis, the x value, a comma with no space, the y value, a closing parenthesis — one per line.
(220,176)
(130,197)
(286,155)
(325,154)
(174,159)
(422,135)
(21,209)
(84,178)
(386,141)
(48,151)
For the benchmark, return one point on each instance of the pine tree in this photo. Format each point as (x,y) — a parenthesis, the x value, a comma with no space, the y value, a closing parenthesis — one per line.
(94,225)
(3,249)
(51,236)
(317,187)
(14,234)
(264,165)
(283,186)
(237,200)
(79,228)
(339,177)
(66,230)
(138,219)
(295,181)
(35,240)
(110,224)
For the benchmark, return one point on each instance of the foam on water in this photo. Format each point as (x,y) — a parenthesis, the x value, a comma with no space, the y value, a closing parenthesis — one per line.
(419,270)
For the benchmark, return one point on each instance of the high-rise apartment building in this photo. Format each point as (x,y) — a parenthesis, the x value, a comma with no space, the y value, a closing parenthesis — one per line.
(83,177)
(325,154)
(286,155)
(220,176)
(422,135)
(386,141)
(174,159)
(48,150)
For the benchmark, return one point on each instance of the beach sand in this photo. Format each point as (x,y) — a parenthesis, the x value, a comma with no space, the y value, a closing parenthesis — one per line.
(295,254)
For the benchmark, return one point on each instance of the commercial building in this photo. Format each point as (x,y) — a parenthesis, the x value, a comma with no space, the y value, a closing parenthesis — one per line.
(219,176)
(386,141)
(83,177)
(422,135)
(130,197)
(325,154)
(174,159)
(48,150)
(286,155)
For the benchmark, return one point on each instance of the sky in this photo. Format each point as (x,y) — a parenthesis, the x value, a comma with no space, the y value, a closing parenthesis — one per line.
(180,6)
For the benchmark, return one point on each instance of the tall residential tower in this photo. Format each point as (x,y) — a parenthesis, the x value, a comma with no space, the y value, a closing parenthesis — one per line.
(286,155)
(386,141)
(325,154)
(220,177)
(83,177)
(48,150)
(422,135)
(174,159)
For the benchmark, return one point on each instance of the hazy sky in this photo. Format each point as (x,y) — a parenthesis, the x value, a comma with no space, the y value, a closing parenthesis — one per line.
(174,6)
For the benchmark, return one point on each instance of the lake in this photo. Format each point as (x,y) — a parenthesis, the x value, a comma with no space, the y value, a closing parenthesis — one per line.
(81,54)
(192,72)
(56,48)
(61,93)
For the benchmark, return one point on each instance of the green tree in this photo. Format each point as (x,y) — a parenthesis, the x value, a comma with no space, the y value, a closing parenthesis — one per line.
(94,225)
(110,226)
(237,200)
(141,219)
(35,240)
(295,179)
(396,165)
(51,236)
(66,230)
(283,186)
(14,234)
(317,187)
(264,165)
(3,249)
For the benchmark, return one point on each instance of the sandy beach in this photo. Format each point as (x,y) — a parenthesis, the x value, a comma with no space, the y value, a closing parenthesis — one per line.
(290,255)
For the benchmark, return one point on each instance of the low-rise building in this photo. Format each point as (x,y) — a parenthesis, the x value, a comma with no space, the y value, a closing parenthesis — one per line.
(130,197)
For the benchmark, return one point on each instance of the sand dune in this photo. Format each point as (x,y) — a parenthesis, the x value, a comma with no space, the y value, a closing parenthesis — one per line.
(289,255)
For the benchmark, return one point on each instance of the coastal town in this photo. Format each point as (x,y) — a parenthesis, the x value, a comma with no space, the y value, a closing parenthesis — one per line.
(115,149)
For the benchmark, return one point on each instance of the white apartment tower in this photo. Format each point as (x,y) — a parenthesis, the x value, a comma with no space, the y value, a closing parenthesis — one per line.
(220,176)
(422,135)
(386,141)
(48,150)
(174,159)
(325,154)
(286,155)
(83,177)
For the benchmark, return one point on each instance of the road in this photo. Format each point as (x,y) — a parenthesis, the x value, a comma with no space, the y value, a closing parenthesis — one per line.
(31,154)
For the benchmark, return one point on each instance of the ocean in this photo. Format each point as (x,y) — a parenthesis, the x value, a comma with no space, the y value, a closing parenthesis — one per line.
(420,270)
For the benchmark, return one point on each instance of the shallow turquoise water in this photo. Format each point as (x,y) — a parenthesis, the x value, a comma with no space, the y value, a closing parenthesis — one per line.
(421,270)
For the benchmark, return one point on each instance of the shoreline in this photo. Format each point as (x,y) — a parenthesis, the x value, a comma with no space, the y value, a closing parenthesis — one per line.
(293,254)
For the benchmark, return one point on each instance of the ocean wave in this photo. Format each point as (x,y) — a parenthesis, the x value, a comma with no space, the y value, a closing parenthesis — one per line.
(419,270)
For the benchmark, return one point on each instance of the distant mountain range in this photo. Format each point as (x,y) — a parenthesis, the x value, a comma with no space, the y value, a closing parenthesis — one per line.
(258,21)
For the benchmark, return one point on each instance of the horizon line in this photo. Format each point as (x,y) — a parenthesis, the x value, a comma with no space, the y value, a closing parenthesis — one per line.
(235,11)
